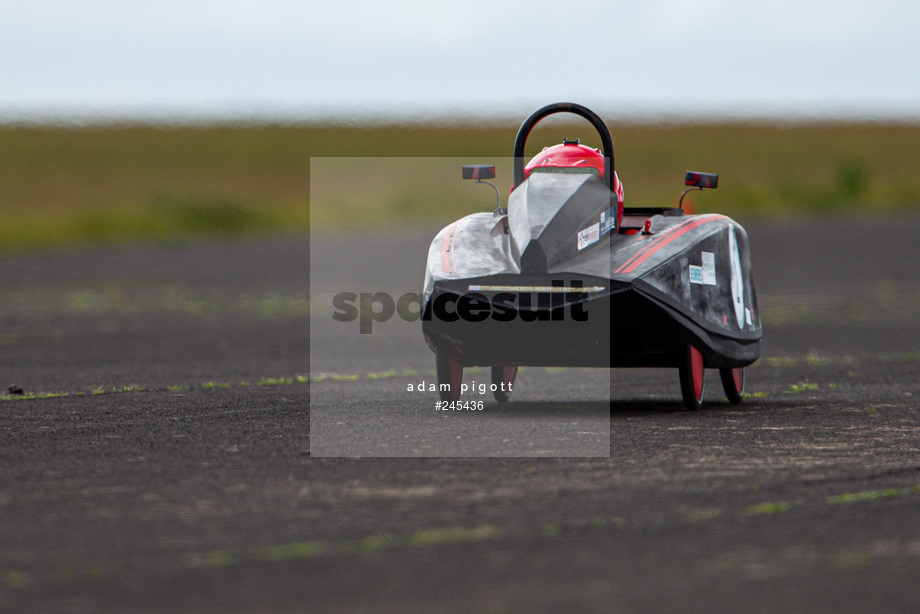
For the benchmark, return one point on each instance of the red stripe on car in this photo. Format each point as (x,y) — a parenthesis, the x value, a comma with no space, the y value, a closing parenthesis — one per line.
(446,248)
(664,239)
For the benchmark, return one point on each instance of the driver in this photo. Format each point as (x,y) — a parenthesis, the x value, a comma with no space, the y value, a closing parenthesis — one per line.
(573,157)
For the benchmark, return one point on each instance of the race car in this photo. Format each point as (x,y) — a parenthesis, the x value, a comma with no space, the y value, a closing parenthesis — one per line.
(566,275)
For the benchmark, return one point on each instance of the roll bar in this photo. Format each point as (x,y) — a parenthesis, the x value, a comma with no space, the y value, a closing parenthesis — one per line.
(563,107)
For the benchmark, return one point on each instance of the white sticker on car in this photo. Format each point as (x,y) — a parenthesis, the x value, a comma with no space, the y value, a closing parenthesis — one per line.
(737,279)
(705,274)
(589,235)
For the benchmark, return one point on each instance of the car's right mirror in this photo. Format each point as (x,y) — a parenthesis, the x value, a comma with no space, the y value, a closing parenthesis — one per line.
(702,180)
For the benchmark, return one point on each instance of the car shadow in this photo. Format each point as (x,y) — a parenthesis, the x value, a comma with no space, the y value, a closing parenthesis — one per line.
(627,408)
(547,409)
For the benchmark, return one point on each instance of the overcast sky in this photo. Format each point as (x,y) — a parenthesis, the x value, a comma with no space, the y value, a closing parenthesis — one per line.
(352,58)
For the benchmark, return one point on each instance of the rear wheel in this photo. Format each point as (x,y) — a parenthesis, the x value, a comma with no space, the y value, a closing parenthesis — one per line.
(450,372)
(502,379)
(733,383)
(692,377)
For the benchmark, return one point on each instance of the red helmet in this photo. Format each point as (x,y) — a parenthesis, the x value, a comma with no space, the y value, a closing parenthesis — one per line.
(574,155)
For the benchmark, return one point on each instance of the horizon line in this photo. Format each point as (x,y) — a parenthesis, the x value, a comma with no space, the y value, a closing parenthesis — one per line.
(74,116)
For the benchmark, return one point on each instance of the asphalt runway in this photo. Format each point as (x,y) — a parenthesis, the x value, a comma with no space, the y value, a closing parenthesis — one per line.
(159,457)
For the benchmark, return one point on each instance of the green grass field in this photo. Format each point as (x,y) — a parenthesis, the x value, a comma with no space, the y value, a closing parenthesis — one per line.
(67,186)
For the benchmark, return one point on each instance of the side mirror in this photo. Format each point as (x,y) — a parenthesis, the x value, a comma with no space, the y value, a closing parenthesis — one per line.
(479,171)
(485,171)
(702,180)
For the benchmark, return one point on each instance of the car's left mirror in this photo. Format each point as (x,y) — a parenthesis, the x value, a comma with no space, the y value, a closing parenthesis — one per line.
(478,171)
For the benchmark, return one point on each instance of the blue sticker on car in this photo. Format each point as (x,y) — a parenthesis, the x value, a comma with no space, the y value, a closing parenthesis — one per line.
(608,220)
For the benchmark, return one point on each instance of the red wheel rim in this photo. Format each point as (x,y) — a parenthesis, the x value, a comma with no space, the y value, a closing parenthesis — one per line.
(696,371)
(508,374)
(737,376)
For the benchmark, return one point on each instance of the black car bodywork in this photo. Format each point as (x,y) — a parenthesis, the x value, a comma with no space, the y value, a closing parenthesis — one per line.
(562,277)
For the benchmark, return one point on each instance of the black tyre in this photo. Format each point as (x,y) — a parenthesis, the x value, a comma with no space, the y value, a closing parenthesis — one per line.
(733,383)
(450,372)
(692,378)
(502,379)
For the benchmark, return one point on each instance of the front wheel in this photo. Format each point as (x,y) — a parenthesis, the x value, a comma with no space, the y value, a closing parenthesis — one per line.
(733,383)
(450,372)
(692,377)
(502,379)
